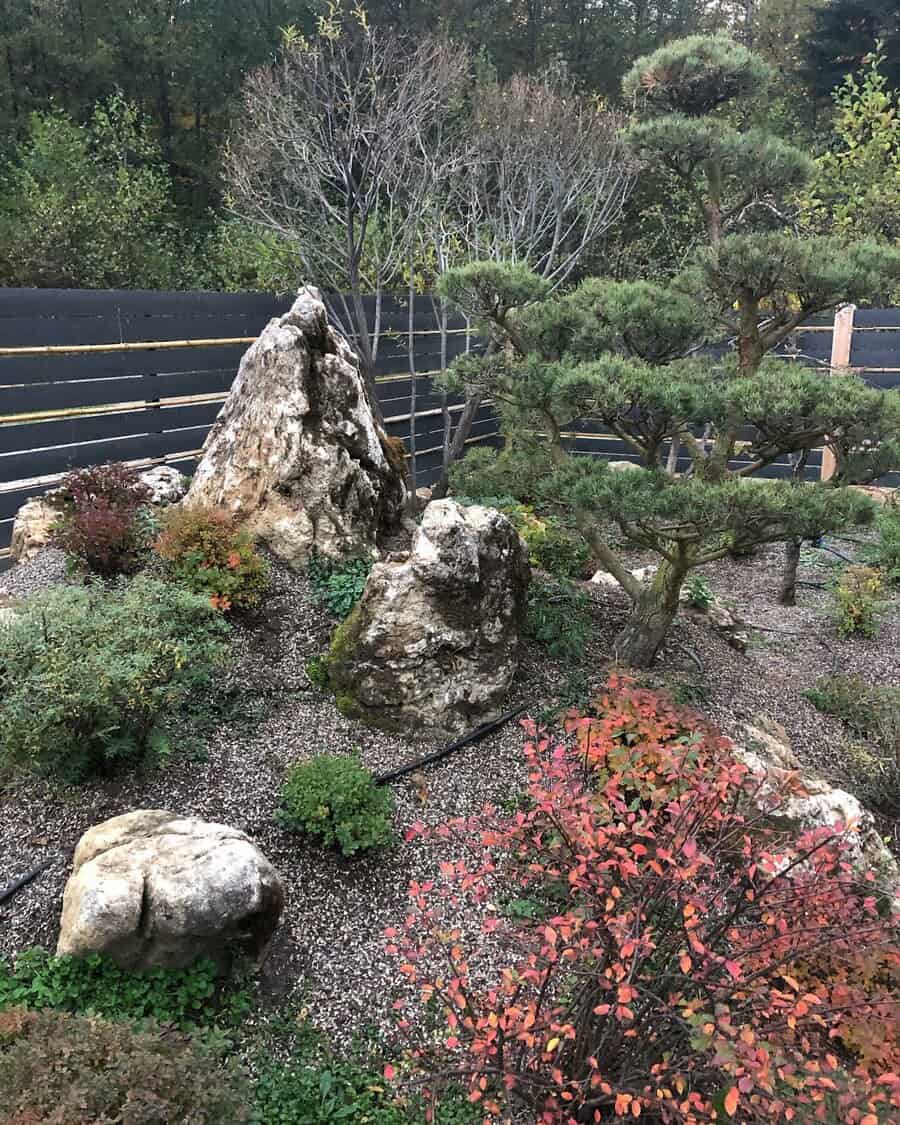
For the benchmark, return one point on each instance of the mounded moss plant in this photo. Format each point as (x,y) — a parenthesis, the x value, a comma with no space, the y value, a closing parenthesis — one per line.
(335,799)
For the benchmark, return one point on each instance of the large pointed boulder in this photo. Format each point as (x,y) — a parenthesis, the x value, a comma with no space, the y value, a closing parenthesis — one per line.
(296,452)
(433,644)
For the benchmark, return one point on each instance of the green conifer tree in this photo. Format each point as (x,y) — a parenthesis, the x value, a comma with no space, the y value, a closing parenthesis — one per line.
(625,354)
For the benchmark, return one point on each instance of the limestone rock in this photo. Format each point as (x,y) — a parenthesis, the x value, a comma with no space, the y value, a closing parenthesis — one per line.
(152,889)
(642,574)
(728,624)
(32,526)
(8,606)
(797,799)
(296,452)
(622,466)
(165,484)
(433,643)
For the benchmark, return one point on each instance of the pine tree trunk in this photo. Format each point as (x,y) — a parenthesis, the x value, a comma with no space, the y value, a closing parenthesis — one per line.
(653,613)
(788,593)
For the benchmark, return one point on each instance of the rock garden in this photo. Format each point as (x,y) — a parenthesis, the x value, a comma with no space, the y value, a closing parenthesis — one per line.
(570,796)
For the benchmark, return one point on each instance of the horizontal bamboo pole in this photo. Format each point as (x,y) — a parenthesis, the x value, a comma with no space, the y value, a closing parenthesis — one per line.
(110,408)
(163,345)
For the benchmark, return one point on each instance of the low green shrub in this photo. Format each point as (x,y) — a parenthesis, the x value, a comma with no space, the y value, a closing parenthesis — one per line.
(204,549)
(885,553)
(335,799)
(871,712)
(37,980)
(317,671)
(338,585)
(558,617)
(857,600)
(91,677)
(698,592)
(62,1069)
(99,525)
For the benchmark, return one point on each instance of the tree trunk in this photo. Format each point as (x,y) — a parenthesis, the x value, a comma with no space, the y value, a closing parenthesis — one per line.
(458,445)
(788,593)
(653,612)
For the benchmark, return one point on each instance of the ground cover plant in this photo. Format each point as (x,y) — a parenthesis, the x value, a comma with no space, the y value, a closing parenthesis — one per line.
(56,1067)
(623,354)
(689,964)
(92,678)
(206,550)
(99,524)
(96,985)
(335,800)
(338,583)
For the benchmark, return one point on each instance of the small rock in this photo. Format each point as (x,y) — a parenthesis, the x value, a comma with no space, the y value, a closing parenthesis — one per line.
(622,466)
(32,528)
(165,484)
(642,574)
(151,889)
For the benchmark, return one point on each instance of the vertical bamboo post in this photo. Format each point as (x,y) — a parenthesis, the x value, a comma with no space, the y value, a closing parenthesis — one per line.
(841,338)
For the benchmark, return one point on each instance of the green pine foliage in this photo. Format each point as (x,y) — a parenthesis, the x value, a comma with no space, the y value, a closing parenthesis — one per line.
(95,678)
(625,355)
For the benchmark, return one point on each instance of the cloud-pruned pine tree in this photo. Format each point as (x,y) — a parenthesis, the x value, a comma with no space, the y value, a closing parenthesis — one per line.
(626,354)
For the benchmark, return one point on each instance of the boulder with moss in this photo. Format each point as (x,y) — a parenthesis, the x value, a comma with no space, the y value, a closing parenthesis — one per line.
(296,452)
(433,644)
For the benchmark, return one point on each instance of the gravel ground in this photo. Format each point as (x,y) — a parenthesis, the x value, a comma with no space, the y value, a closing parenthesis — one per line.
(328,956)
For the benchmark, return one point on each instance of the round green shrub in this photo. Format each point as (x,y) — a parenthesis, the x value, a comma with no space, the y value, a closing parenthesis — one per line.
(336,800)
(64,1069)
(94,677)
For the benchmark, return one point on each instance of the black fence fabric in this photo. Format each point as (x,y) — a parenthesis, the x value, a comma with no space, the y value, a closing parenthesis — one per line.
(151,404)
(155,403)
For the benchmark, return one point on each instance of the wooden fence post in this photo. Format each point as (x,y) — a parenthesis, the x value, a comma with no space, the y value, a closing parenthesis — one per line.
(841,339)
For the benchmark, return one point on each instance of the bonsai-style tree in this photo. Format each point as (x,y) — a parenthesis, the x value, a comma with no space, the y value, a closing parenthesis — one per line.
(624,354)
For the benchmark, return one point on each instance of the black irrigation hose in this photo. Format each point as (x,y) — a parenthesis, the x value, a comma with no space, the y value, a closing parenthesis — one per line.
(23,880)
(467,739)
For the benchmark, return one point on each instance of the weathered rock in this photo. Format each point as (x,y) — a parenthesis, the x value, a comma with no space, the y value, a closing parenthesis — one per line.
(622,466)
(9,606)
(165,484)
(642,574)
(797,799)
(433,643)
(152,889)
(32,528)
(728,624)
(296,451)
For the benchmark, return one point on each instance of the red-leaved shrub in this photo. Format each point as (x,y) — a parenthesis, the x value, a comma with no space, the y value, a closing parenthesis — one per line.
(98,510)
(669,957)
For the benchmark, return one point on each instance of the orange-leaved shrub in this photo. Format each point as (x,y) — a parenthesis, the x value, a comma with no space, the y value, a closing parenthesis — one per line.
(670,956)
(62,1069)
(206,550)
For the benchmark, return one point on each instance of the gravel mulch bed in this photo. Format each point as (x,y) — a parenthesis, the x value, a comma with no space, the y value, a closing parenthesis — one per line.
(329,955)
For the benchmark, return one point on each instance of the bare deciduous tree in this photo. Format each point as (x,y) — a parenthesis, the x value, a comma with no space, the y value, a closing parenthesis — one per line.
(540,177)
(329,153)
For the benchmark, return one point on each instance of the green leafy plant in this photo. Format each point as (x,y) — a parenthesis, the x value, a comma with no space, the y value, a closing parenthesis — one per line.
(885,553)
(99,525)
(59,1067)
(37,979)
(558,617)
(698,592)
(93,678)
(857,601)
(317,671)
(335,799)
(205,550)
(690,692)
(871,712)
(338,585)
